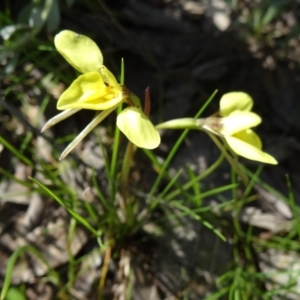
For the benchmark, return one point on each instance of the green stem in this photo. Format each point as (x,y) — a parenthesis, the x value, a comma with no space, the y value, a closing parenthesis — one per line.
(128,157)
(117,137)
(234,164)
(188,185)
(175,148)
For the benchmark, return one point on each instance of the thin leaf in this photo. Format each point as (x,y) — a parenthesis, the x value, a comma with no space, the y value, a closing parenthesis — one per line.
(79,218)
(15,151)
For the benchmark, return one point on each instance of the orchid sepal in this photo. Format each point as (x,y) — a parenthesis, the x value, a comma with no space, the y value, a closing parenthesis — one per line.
(136,126)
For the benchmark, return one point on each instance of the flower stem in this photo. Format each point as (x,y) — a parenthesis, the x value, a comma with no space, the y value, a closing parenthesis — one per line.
(128,157)
(234,164)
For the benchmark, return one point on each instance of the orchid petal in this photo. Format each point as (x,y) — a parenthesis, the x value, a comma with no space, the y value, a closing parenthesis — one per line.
(89,91)
(238,121)
(79,51)
(250,137)
(108,77)
(138,128)
(234,101)
(61,116)
(249,151)
(100,117)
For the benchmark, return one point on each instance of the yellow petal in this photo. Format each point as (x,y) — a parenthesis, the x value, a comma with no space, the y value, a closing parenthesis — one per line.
(89,91)
(138,128)
(235,101)
(109,78)
(79,51)
(250,137)
(238,121)
(244,149)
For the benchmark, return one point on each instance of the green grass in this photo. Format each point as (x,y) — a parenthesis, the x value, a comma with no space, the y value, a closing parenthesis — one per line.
(118,222)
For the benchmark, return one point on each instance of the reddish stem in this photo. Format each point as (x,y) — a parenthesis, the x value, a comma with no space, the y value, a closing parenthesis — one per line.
(147,102)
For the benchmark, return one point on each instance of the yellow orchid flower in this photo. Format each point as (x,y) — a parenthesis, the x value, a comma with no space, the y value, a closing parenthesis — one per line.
(97,89)
(234,125)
